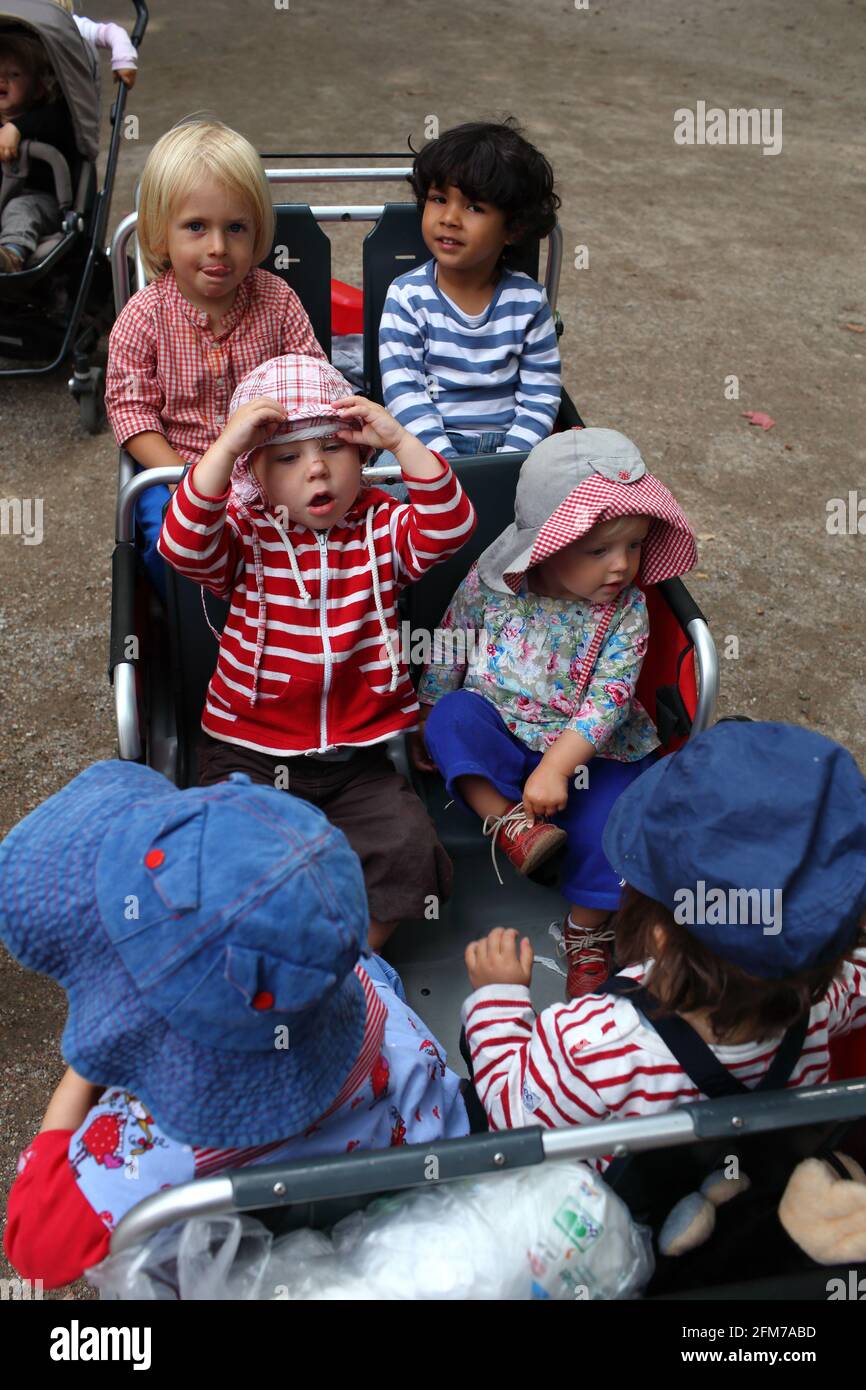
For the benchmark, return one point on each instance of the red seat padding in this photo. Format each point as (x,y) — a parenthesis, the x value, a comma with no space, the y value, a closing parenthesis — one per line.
(667,642)
(347,309)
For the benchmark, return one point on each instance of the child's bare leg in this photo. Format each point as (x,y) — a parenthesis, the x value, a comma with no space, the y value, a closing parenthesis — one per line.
(379,933)
(481,795)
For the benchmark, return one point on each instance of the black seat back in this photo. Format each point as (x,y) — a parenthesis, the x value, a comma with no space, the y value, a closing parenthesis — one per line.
(394,246)
(193,659)
(301,255)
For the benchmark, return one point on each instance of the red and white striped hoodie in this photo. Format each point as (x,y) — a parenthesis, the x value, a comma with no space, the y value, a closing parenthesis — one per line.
(308,657)
(597,1057)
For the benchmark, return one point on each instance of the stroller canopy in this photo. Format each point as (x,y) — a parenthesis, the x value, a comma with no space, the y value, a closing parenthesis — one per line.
(73,61)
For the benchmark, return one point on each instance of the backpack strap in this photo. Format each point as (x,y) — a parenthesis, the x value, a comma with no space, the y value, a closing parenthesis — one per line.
(697,1058)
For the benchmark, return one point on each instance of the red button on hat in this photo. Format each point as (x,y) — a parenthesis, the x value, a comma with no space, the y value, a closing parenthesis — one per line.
(154,858)
(263,1000)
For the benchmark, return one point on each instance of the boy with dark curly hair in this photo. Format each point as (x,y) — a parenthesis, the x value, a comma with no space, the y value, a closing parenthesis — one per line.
(467,344)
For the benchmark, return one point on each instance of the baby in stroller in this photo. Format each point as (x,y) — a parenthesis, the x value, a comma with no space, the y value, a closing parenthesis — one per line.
(31,108)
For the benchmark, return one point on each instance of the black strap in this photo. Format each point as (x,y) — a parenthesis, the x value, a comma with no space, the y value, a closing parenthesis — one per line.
(697,1058)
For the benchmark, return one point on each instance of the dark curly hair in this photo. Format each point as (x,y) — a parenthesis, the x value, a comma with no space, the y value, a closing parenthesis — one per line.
(493,162)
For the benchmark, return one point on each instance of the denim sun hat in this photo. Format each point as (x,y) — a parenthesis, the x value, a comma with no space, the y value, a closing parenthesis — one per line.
(767,810)
(190,930)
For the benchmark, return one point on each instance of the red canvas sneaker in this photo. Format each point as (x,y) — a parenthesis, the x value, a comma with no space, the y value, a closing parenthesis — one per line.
(526,846)
(589,958)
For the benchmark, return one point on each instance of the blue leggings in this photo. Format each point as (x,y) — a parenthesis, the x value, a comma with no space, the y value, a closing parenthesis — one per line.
(148,522)
(466,736)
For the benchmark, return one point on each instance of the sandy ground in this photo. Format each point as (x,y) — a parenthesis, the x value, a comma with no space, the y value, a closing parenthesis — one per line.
(704,262)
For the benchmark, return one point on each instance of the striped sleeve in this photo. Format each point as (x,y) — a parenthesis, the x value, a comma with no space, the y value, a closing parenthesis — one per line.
(198,540)
(133,396)
(523,1072)
(439,519)
(405,389)
(538,393)
(846,997)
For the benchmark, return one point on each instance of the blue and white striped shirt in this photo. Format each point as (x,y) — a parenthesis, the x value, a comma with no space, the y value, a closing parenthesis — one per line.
(443,370)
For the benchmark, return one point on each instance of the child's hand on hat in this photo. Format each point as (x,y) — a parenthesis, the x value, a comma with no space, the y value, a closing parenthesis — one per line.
(545,792)
(250,427)
(498,959)
(373,424)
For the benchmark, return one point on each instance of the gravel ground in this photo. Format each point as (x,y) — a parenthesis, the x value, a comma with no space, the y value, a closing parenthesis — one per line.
(704,262)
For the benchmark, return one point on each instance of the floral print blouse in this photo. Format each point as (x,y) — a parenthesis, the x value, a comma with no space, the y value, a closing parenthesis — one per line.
(523,652)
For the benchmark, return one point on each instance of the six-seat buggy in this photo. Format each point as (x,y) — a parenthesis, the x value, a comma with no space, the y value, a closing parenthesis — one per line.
(161,659)
(61,302)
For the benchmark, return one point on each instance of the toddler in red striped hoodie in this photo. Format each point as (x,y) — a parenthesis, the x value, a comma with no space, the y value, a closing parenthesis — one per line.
(308,682)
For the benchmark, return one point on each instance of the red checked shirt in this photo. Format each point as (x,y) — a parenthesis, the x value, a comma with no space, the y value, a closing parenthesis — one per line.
(168,372)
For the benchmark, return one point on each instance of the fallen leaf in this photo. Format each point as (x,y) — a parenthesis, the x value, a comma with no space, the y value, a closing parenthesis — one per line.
(758,417)
(699,575)
(789,446)
(854,327)
(707,536)
(759,610)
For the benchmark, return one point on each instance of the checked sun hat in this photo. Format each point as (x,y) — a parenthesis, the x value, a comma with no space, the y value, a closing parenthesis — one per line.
(751,806)
(185,927)
(307,387)
(571,482)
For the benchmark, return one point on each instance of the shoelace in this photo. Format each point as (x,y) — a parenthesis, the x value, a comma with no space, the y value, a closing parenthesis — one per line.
(584,948)
(512,823)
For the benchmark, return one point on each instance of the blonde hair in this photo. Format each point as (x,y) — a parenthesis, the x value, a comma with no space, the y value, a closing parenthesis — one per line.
(67,5)
(196,149)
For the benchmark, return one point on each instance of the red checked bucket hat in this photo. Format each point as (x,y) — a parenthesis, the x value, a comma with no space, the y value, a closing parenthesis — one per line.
(573,481)
(307,387)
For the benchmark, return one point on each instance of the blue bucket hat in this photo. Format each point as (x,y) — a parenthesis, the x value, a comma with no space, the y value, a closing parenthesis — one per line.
(754,836)
(207,941)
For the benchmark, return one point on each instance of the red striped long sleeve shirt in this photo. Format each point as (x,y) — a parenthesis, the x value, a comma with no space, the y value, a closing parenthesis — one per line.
(596,1057)
(311,665)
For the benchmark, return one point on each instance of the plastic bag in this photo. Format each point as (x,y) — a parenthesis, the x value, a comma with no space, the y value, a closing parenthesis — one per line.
(551,1231)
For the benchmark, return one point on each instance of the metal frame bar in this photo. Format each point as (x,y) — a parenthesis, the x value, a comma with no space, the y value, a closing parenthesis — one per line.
(356,1174)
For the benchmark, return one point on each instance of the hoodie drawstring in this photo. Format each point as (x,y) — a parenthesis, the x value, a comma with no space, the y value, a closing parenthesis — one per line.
(377,598)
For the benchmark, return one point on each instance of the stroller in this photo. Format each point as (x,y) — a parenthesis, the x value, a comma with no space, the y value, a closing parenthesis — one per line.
(160,679)
(60,303)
